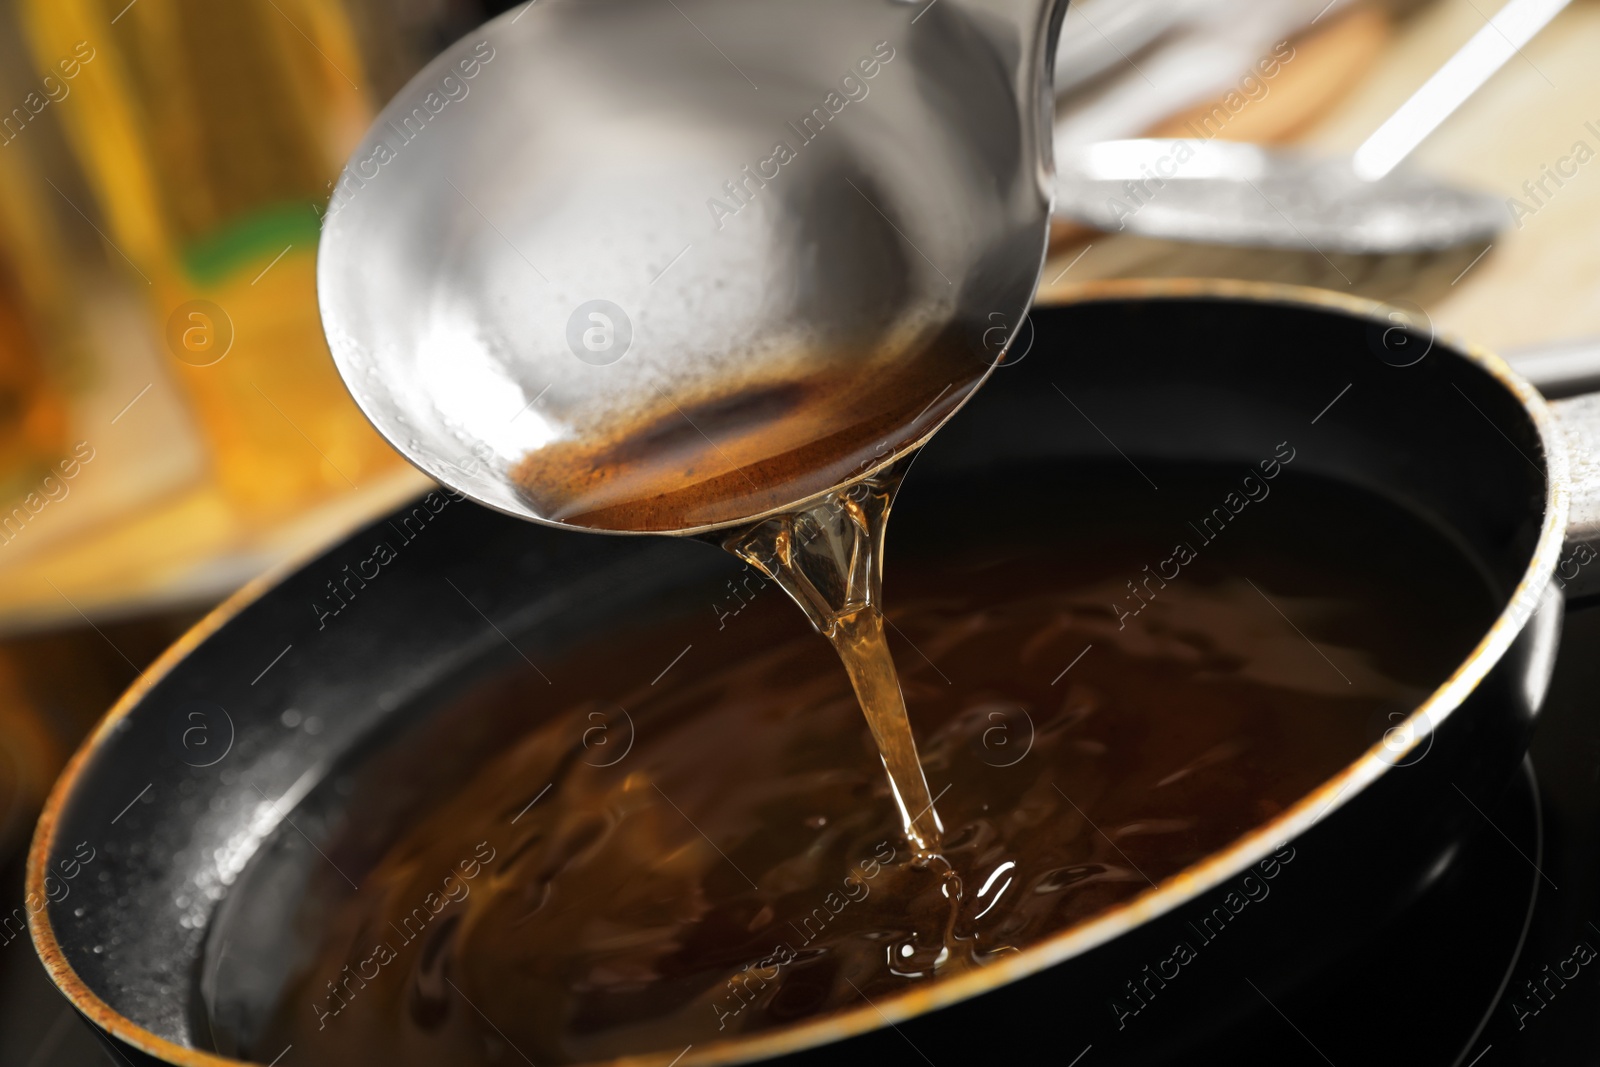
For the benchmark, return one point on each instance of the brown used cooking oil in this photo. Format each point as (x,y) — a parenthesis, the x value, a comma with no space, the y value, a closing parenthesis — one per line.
(728,857)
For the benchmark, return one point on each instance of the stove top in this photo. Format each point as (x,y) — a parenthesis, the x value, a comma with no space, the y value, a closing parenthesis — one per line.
(1497,964)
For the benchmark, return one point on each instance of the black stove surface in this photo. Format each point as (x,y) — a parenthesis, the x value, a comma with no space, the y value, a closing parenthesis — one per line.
(1497,964)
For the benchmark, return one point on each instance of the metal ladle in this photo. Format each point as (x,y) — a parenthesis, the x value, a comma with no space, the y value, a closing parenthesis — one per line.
(1232,193)
(646,233)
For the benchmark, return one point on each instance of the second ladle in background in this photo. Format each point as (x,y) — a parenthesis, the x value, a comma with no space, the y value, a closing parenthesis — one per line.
(1229,193)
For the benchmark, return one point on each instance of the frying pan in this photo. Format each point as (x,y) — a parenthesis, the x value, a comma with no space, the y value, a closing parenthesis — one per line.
(151,823)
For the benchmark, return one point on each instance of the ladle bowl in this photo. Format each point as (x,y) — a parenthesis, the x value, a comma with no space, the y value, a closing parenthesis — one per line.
(1232,193)
(737,253)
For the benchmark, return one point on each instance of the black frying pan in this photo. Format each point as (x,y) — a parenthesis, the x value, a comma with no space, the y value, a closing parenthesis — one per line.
(148,828)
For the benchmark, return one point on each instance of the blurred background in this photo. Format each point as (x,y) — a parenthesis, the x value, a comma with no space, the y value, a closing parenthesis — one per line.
(171,425)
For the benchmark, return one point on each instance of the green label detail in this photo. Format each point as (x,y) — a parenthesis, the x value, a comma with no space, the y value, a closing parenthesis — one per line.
(252,241)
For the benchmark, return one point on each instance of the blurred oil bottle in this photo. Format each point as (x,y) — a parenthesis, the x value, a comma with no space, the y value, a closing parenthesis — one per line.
(207,133)
(178,152)
(33,402)
(41,355)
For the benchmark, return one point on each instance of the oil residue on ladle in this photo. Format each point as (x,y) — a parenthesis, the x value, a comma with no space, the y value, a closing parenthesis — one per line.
(828,556)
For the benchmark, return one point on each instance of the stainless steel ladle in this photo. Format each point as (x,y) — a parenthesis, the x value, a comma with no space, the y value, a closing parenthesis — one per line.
(639,228)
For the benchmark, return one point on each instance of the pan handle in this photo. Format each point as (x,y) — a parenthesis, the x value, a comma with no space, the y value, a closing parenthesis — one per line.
(1568,374)
(1578,418)
(1569,368)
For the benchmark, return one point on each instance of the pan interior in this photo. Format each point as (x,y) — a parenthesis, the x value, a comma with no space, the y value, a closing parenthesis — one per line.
(616,859)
